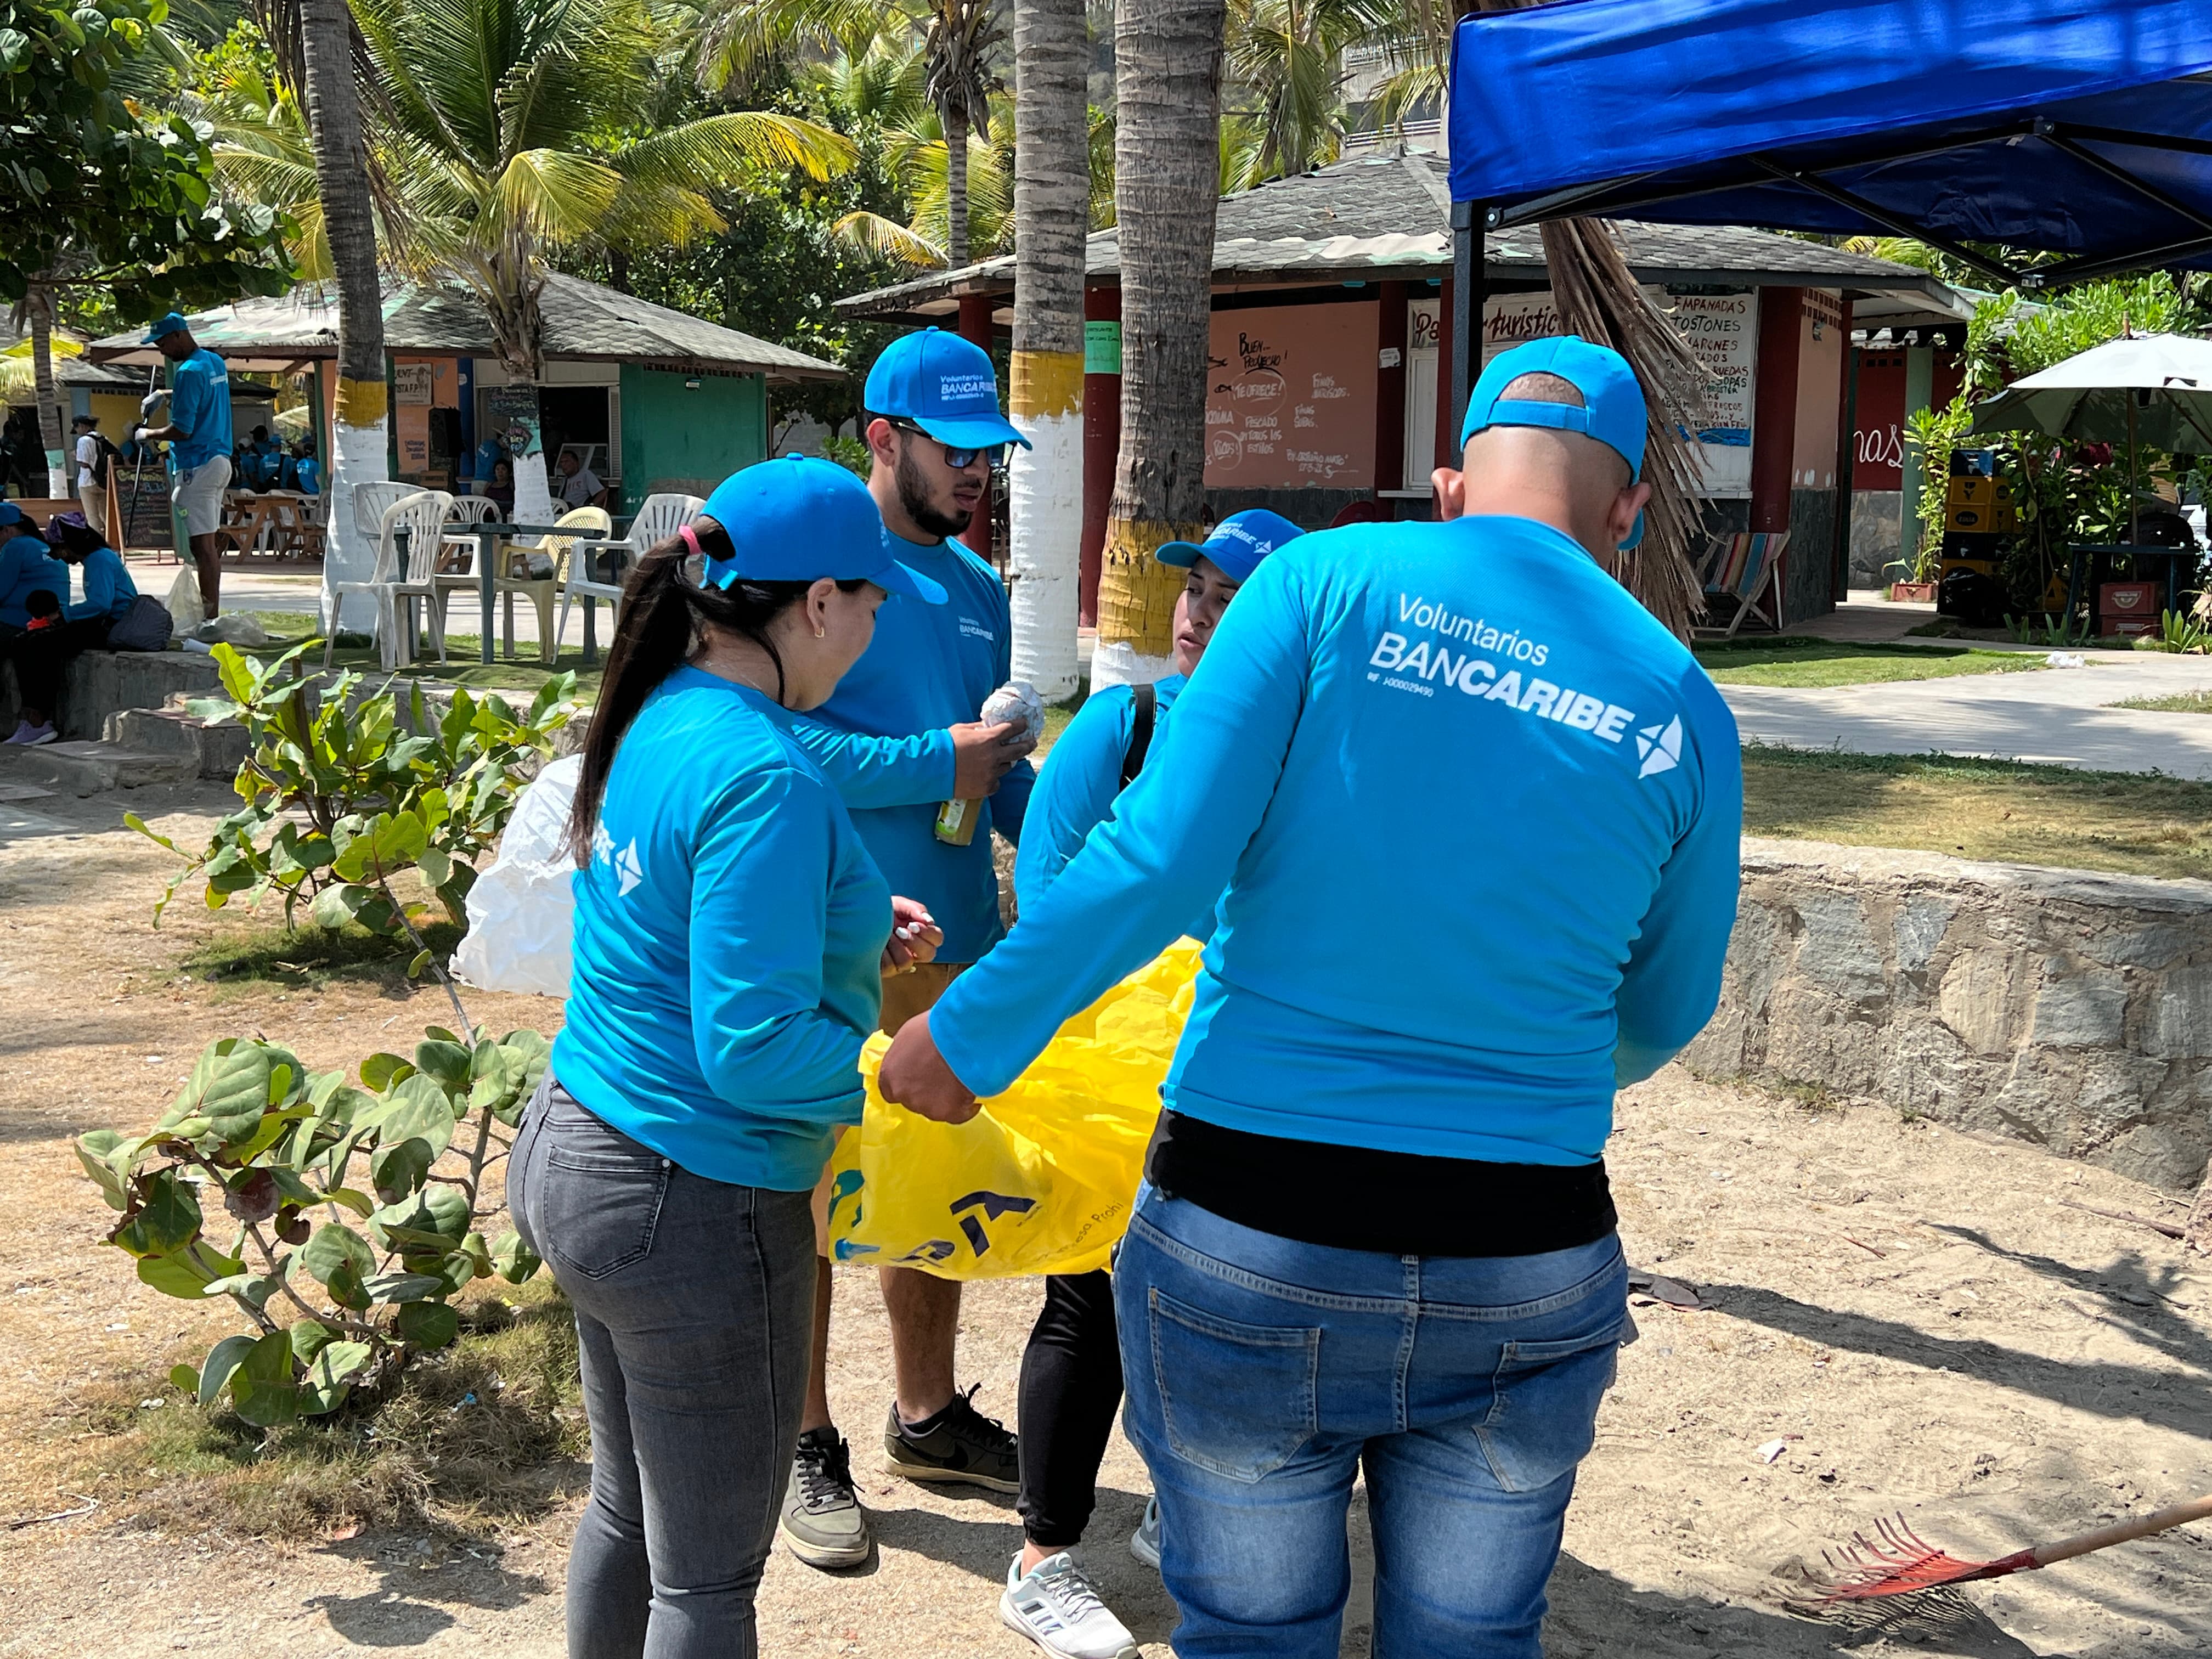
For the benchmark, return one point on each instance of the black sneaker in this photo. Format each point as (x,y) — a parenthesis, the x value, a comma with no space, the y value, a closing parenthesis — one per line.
(822,1524)
(957,1445)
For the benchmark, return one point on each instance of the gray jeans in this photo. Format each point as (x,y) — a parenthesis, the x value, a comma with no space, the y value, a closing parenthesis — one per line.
(694,1303)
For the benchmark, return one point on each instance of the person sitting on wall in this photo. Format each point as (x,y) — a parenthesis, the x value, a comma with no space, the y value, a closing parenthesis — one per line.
(27,569)
(580,485)
(41,654)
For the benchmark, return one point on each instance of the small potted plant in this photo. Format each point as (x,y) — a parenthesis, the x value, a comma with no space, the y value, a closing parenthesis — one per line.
(1917,586)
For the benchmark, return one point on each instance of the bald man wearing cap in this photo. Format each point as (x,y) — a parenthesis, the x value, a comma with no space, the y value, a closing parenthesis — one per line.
(1472,817)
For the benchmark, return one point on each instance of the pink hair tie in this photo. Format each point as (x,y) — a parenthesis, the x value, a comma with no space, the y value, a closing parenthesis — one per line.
(691,540)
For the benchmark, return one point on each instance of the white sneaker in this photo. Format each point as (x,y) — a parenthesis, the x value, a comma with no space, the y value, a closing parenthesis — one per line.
(30,737)
(1054,1605)
(1144,1542)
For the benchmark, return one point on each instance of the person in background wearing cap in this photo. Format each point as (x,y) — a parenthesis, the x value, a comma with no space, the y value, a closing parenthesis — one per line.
(1071,1368)
(730,934)
(27,566)
(42,653)
(198,437)
(93,453)
(1476,815)
(900,738)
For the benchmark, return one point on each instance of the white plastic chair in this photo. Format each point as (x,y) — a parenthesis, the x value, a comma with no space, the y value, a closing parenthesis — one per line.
(658,519)
(588,525)
(461,575)
(418,519)
(370,501)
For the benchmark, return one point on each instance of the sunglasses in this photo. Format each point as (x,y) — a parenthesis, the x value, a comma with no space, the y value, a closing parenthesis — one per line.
(959,459)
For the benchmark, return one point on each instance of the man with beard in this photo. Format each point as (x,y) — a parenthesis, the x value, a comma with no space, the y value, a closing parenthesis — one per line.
(899,738)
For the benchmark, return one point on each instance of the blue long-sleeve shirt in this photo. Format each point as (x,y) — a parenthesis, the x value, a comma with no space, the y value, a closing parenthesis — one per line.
(882,740)
(108,589)
(1477,815)
(729,933)
(1076,788)
(26,565)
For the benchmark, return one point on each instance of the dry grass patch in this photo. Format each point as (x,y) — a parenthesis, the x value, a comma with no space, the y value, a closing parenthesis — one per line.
(485,1435)
(2134,824)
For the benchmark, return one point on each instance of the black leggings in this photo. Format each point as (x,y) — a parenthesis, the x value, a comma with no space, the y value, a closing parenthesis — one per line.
(41,654)
(1071,1388)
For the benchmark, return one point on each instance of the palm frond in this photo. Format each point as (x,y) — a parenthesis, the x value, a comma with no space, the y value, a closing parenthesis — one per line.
(720,149)
(553,196)
(874,233)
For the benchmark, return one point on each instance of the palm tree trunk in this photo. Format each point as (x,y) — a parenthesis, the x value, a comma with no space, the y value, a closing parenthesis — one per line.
(1052,188)
(358,430)
(955,118)
(1167,166)
(39,303)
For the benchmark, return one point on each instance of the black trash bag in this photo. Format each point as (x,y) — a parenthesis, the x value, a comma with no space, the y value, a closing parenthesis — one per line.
(1975,599)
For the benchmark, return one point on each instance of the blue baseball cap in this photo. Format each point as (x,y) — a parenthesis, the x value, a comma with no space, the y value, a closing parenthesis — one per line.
(946,386)
(10,514)
(801,519)
(174,323)
(1612,410)
(1238,544)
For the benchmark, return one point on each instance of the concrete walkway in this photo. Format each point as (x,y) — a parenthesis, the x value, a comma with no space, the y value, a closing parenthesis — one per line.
(2054,716)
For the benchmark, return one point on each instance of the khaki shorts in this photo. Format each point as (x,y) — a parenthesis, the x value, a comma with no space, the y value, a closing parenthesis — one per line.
(905,995)
(199,495)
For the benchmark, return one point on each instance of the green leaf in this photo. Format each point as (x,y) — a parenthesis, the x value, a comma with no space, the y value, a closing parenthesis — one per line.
(395,1171)
(167,1219)
(132,821)
(334,1246)
(417,1109)
(404,1287)
(330,1377)
(436,1218)
(428,1324)
(359,1203)
(347,1287)
(186,1378)
(92,1149)
(309,1337)
(186,1273)
(222,1360)
(514,1260)
(263,1389)
(448,1063)
(418,964)
(437,867)
(381,1071)
(229,1086)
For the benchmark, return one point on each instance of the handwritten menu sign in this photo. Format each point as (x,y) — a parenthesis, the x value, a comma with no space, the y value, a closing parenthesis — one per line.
(1289,400)
(1723,329)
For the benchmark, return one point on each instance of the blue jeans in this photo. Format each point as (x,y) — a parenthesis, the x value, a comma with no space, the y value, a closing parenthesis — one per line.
(1262,1372)
(695,1314)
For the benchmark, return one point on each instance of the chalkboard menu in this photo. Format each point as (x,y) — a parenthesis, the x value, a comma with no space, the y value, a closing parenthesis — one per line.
(1290,401)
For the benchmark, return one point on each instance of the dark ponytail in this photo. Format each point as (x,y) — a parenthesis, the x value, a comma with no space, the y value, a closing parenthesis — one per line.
(665,613)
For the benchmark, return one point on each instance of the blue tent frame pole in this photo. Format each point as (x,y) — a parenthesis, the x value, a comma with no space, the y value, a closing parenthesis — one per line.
(1468,294)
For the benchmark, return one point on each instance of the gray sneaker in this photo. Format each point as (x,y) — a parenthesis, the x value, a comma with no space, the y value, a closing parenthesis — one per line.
(1144,1542)
(823,1523)
(960,1445)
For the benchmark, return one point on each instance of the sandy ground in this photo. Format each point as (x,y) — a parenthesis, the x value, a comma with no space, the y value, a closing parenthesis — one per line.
(1915,1315)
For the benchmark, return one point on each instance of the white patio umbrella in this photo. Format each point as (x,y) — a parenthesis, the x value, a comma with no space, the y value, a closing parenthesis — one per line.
(2148,388)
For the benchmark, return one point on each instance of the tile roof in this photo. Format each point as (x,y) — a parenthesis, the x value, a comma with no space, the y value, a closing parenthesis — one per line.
(1389,212)
(584,321)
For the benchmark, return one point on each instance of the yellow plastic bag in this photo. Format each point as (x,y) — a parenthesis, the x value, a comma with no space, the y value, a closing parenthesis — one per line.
(1041,1181)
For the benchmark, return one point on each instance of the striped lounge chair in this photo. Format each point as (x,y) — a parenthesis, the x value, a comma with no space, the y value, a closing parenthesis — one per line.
(1747,569)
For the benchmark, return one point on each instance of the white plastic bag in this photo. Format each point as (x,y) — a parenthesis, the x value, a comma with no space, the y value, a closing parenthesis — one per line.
(186,611)
(522,910)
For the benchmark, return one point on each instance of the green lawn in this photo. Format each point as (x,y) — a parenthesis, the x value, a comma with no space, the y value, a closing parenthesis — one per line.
(2181,702)
(1815,663)
(2132,823)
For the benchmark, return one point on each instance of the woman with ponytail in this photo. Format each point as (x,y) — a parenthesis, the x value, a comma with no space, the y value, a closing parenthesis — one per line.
(731,932)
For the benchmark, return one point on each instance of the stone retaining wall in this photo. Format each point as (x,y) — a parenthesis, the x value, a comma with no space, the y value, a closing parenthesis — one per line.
(2060,1006)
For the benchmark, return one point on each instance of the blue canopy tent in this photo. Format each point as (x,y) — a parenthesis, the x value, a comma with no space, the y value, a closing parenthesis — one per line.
(2076,127)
